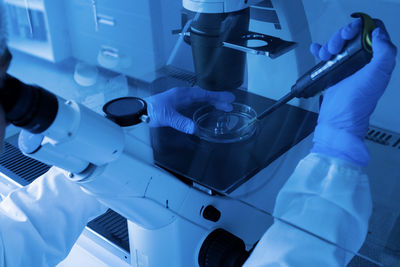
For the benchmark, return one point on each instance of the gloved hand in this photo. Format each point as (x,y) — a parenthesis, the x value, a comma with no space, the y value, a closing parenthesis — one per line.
(347,106)
(162,108)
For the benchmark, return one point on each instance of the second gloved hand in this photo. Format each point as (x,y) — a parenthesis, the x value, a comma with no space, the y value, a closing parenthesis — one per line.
(347,106)
(163,108)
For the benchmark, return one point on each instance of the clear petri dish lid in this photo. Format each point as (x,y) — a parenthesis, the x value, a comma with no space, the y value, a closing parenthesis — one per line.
(219,126)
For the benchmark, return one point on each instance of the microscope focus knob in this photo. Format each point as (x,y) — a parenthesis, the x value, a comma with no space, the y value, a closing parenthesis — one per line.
(211,213)
(222,249)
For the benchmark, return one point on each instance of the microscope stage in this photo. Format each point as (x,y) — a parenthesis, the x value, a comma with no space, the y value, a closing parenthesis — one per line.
(223,167)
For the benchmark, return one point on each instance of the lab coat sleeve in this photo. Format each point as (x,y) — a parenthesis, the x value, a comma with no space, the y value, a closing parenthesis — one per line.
(326,196)
(40,223)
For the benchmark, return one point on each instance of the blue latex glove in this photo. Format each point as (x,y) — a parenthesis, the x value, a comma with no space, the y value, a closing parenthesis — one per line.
(347,106)
(163,108)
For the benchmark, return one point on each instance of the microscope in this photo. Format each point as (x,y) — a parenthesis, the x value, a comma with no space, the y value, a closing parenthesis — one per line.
(179,214)
(171,222)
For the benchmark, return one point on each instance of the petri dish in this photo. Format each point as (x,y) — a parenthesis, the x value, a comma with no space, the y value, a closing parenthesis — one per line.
(219,126)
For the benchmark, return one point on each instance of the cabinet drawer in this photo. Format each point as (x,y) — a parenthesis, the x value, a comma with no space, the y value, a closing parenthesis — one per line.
(119,58)
(131,6)
(124,28)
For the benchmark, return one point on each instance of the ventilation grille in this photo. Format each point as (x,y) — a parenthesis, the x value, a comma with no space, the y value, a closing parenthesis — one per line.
(25,170)
(179,74)
(112,226)
(383,137)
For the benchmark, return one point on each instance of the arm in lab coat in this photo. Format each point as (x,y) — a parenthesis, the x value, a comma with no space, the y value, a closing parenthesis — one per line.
(40,223)
(326,196)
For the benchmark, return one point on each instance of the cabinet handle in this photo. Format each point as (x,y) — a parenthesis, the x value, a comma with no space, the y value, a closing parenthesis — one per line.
(28,15)
(109,51)
(106,20)
(96,23)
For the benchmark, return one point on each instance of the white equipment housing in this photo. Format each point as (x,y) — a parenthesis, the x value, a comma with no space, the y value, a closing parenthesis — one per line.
(215,6)
(119,172)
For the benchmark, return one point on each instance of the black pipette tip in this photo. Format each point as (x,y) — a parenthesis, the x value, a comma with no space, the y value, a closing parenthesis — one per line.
(289,96)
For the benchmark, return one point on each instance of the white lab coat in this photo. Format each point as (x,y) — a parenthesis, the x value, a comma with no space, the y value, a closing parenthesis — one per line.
(326,196)
(40,223)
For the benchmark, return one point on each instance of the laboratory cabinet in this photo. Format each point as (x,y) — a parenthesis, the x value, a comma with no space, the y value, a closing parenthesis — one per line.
(131,37)
(123,5)
(114,56)
(114,25)
(134,38)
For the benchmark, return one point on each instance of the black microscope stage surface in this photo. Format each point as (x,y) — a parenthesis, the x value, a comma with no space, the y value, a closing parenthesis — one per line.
(223,167)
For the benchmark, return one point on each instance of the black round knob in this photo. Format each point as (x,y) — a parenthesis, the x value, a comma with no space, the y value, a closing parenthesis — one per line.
(125,111)
(222,249)
(211,213)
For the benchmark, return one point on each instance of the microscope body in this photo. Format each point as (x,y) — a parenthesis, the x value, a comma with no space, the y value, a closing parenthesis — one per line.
(170,221)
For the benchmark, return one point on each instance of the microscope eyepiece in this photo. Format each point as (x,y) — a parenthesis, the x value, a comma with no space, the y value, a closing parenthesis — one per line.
(29,107)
